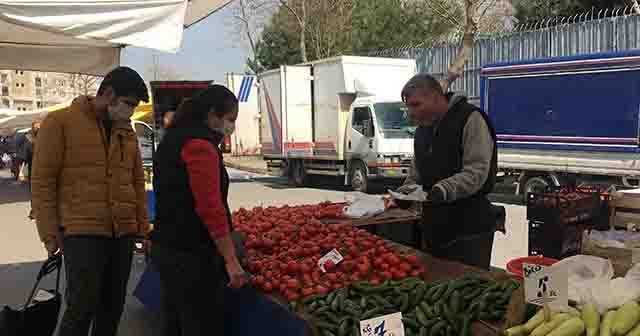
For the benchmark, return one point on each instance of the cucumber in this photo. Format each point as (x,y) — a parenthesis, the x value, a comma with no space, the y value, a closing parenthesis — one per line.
(410,323)
(607,321)
(571,327)
(343,328)
(546,327)
(325,325)
(404,302)
(454,302)
(438,328)
(534,322)
(626,318)
(591,319)
(421,316)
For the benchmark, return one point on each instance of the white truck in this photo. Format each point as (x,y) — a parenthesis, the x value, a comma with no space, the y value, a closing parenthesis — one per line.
(246,139)
(341,116)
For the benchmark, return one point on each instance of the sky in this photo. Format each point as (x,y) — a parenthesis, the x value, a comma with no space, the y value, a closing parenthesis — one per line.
(209,50)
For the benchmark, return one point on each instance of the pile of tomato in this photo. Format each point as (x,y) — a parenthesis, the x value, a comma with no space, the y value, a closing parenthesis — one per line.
(284,245)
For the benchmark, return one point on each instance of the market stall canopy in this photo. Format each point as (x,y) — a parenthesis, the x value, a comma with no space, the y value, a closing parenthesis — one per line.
(86,36)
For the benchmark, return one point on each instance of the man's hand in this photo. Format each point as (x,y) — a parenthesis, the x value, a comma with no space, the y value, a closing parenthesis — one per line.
(54,245)
(407,189)
(436,195)
(237,276)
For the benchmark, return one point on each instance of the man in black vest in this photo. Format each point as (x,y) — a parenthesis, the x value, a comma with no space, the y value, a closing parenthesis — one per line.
(455,160)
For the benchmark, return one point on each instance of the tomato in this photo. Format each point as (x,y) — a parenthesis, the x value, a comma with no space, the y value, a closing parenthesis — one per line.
(267,287)
(259,280)
(304,268)
(399,274)
(329,266)
(293,283)
(385,267)
(337,285)
(322,290)
(307,291)
(415,273)
(292,296)
(268,274)
(386,275)
(412,259)
(333,277)
(363,268)
(374,281)
(405,267)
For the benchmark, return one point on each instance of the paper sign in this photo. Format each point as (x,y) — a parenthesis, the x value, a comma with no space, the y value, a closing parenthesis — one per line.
(42,296)
(333,255)
(546,285)
(387,325)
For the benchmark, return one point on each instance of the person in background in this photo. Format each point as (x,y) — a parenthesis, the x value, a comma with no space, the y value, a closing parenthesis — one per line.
(89,199)
(192,246)
(455,160)
(26,154)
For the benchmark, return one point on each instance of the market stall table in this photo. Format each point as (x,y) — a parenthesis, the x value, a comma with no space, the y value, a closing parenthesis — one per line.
(270,313)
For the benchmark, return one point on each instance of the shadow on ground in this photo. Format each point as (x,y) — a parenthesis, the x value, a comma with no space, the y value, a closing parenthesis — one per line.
(12,191)
(16,281)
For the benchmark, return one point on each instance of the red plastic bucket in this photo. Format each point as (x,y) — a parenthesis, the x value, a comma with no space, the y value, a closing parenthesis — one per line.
(514,266)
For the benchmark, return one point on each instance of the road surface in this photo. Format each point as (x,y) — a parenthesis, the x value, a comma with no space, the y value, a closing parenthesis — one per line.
(21,253)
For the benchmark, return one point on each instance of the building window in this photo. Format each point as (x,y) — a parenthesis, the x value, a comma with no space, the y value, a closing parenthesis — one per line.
(21,84)
(39,104)
(38,82)
(38,92)
(5,91)
(17,85)
(22,72)
(17,72)
(5,102)
(4,78)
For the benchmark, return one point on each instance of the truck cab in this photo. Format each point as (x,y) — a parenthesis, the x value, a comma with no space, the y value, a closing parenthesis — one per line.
(379,143)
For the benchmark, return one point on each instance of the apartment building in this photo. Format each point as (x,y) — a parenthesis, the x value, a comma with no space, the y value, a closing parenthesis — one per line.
(29,90)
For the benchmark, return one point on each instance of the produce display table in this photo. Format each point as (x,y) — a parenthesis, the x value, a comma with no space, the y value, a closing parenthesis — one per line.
(253,311)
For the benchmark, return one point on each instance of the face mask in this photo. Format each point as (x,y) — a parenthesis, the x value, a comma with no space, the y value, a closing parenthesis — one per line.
(228,128)
(121,111)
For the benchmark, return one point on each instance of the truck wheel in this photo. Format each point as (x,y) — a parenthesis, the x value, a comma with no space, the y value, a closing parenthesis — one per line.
(358,177)
(297,174)
(536,184)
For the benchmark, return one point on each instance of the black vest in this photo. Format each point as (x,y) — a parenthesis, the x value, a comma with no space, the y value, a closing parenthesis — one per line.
(439,156)
(177,224)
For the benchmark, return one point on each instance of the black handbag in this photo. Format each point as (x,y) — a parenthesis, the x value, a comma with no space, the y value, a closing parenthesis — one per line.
(39,315)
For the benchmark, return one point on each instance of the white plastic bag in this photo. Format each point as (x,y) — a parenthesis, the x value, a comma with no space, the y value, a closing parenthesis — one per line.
(363,205)
(417,194)
(591,280)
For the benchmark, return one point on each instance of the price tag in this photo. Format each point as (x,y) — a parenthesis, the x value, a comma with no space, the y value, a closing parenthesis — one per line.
(387,325)
(546,285)
(333,255)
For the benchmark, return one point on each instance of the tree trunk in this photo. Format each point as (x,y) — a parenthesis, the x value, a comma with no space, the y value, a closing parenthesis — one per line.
(466,49)
(303,29)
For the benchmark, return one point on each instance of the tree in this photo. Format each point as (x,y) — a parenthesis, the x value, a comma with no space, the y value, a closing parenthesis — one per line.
(298,9)
(528,10)
(83,84)
(248,19)
(278,43)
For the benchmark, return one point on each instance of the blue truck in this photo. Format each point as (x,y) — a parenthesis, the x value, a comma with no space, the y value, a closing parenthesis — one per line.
(566,120)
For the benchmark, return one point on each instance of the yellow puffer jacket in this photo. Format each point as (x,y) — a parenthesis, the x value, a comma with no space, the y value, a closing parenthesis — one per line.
(84,185)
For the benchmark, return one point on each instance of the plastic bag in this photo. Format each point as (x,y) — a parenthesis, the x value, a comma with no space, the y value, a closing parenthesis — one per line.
(23,175)
(417,194)
(363,205)
(591,280)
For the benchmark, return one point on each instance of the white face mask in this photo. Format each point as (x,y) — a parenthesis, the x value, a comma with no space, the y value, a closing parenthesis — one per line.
(120,112)
(228,128)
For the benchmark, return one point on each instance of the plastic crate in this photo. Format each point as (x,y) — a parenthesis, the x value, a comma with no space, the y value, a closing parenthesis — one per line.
(555,240)
(564,205)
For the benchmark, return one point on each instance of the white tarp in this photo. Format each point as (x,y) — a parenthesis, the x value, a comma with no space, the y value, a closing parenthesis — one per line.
(86,36)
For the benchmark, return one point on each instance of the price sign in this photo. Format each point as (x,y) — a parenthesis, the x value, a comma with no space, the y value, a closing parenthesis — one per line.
(333,255)
(546,285)
(387,325)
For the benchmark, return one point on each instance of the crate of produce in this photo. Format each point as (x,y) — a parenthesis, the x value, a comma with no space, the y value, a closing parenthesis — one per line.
(564,205)
(554,239)
(622,248)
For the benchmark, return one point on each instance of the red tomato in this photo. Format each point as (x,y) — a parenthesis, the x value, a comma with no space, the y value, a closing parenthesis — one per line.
(267,287)
(386,275)
(322,290)
(415,273)
(385,267)
(405,267)
(363,268)
(333,277)
(308,291)
(293,283)
(329,266)
(399,274)
(412,259)
(374,281)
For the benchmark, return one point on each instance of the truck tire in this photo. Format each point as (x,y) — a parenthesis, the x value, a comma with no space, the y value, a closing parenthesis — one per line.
(536,184)
(297,173)
(358,177)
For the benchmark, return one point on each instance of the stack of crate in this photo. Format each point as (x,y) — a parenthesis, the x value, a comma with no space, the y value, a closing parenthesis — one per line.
(558,217)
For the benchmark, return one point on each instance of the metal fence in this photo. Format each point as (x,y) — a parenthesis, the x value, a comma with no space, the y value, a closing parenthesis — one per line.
(602,31)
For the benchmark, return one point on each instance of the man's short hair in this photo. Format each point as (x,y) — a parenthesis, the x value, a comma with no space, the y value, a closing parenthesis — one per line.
(125,82)
(421,81)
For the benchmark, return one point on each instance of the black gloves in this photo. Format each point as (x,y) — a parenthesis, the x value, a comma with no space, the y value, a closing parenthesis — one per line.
(436,195)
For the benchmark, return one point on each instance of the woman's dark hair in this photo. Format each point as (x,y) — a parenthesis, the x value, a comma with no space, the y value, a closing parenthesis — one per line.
(194,111)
